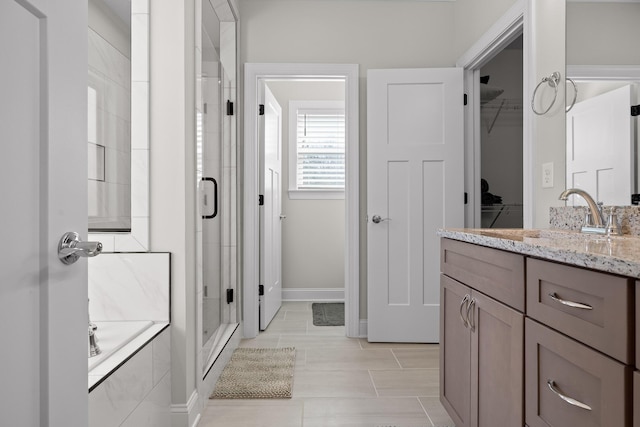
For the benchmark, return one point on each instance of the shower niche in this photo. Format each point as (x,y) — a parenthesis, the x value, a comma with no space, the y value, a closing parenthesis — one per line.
(216,179)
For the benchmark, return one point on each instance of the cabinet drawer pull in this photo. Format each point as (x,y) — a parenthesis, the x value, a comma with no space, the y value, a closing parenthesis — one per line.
(464,300)
(470,306)
(570,303)
(567,399)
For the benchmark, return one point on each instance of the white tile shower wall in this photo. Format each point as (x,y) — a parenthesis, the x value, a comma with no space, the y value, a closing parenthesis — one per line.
(129,286)
(139,393)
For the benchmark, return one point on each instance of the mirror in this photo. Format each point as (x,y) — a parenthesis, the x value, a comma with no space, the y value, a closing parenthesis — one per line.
(118,136)
(600,143)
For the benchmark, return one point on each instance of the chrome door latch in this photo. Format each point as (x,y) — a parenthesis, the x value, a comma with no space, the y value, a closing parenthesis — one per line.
(71,248)
(377,219)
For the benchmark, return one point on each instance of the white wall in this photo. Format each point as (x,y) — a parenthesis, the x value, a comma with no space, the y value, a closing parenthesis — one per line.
(373,34)
(173,184)
(616,41)
(313,234)
(549,26)
(394,35)
(472,18)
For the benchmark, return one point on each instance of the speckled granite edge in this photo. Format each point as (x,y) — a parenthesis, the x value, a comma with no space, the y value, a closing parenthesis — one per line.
(618,256)
(572,218)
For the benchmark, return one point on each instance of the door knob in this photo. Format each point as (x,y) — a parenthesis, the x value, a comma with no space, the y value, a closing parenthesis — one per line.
(377,219)
(71,248)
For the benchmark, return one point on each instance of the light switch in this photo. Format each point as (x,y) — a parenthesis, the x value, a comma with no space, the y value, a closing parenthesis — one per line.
(547,175)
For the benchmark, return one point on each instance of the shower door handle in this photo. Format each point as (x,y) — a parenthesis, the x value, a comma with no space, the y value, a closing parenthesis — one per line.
(215,198)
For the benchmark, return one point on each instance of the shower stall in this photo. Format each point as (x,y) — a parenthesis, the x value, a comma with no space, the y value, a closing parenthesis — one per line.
(216,181)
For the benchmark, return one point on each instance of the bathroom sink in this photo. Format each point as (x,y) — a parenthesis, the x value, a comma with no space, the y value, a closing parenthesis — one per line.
(518,234)
(531,235)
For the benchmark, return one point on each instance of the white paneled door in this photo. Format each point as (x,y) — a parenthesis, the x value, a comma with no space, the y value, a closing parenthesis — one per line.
(602,121)
(43,178)
(271,212)
(415,185)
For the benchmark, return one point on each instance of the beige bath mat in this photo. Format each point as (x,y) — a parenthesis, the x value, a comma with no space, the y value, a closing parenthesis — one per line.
(257,373)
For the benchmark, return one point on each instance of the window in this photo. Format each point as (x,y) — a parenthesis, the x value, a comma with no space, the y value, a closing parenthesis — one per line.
(316,149)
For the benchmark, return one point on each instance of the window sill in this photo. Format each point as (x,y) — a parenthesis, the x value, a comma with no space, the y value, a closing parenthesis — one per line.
(316,195)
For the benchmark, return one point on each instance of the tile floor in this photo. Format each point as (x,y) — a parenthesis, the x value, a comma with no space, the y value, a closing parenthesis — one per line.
(340,381)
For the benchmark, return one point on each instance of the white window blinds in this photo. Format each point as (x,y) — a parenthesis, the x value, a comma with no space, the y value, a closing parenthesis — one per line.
(320,143)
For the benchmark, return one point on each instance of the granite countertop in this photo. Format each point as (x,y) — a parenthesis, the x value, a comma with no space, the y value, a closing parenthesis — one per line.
(615,254)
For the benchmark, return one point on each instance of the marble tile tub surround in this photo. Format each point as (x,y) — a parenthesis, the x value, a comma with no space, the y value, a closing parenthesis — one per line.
(138,394)
(572,218)
(129,286)
(616,254)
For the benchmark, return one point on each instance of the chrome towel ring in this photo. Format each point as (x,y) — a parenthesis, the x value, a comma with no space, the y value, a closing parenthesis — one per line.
(552,80)
(575,94)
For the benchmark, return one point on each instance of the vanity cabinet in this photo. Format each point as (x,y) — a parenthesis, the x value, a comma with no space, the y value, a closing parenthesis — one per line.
(570,384)
(493,272)
(592,307)
(481,363)
(558,346)
(579,350)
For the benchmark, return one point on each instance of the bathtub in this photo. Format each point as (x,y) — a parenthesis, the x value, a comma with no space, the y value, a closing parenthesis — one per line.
(119,341)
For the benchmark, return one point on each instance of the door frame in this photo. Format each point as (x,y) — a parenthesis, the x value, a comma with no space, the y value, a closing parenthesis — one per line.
(253,73)
(515,22)
(267,215)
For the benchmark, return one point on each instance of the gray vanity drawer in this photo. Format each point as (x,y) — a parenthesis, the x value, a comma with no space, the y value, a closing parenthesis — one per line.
(592,307)
(578,372)
(498,274)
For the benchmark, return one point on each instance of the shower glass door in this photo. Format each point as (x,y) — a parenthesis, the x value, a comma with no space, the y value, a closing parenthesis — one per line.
(216,177)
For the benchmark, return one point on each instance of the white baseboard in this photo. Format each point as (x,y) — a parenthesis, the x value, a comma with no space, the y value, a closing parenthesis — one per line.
(363,328)
(313,294)
(186,414)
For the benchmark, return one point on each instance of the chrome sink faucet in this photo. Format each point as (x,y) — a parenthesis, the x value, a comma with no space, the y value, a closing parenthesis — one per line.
(94,348)
(595,210)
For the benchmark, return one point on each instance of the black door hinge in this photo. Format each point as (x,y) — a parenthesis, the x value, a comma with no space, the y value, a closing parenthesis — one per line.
(635,110)
(261,109)
(260,290)
(229,296)
(466,197)
(260,200)
(229,108)
(465,99)
(635,199)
